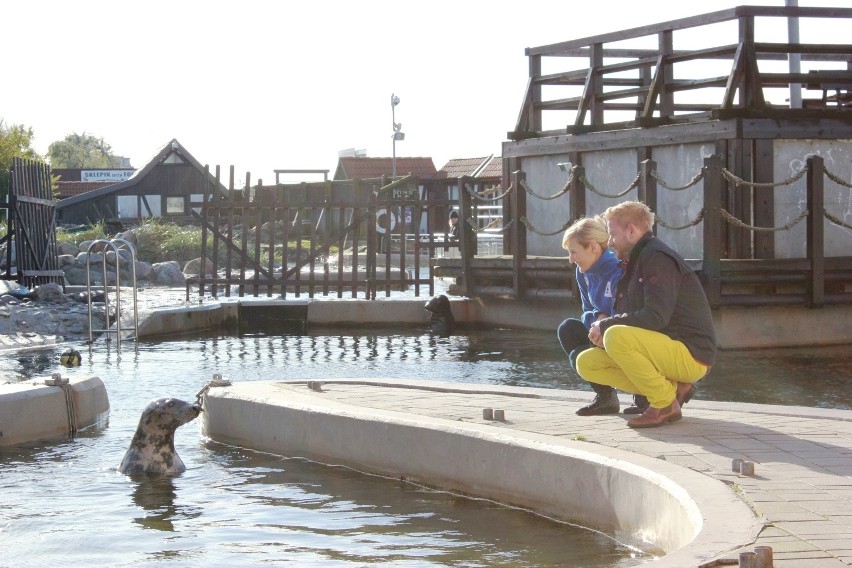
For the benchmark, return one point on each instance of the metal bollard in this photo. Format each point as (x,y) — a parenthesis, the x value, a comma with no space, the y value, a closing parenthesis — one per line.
(764,556)
(499,415)
(735,465)
(747,468)
(748,560)
(487,414)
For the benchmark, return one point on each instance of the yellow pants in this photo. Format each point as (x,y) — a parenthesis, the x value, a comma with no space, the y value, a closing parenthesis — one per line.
(637,360)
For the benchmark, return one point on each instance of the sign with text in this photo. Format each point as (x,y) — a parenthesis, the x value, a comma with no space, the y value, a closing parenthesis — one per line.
(404,193)
(105,175)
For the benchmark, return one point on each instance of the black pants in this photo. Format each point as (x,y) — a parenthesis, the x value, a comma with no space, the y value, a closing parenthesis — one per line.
(574,339)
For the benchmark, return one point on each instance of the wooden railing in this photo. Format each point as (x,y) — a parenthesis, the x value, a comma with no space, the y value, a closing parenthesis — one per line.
(666,84)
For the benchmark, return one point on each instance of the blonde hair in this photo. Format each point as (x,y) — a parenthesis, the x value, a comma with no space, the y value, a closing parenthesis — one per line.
(587,230)
(634,212)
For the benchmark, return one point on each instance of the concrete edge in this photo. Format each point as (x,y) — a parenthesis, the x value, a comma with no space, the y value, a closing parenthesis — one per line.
(689,516)
(32,411)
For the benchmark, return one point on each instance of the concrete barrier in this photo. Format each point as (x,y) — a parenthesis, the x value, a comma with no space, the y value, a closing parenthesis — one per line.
(679,513)
(32,410)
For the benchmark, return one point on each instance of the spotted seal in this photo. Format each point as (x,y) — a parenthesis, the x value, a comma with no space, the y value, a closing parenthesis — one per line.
(153,447)
(441,320)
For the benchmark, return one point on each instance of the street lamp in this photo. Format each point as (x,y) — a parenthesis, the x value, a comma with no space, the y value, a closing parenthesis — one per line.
(397,135)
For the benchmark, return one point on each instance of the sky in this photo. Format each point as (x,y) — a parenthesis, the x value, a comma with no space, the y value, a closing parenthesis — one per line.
(265,85)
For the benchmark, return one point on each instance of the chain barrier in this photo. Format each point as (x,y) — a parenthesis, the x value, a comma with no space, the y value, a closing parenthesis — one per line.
(482,196)
(763,185)
(836,179)
(734,221)
(529,226)
(559,193)
(633,185)
(680,227)
(836,220)
(695,179)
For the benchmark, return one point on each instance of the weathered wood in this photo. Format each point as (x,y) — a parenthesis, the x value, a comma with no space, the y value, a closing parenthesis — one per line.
(816,231)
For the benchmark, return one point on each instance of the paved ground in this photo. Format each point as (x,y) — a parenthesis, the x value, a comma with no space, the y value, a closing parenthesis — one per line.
(803,457)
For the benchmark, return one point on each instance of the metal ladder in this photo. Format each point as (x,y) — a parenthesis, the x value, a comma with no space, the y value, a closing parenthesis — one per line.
(115,245)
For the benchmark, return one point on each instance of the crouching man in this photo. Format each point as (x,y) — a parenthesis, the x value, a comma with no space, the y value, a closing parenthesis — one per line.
(661,339)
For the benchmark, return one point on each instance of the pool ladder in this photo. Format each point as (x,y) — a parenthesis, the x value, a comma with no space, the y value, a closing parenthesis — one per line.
(115,245)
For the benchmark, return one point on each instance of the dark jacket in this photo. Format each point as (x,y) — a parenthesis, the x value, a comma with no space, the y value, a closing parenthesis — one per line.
(661,293)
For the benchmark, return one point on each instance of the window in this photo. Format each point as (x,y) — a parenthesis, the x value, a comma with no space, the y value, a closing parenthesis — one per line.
(175,206)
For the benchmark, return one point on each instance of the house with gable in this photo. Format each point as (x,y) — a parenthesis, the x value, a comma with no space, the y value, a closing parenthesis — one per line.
(164,188)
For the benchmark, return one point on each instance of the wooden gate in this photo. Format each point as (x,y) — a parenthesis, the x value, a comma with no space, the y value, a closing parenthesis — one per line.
(330,238)
(32,226)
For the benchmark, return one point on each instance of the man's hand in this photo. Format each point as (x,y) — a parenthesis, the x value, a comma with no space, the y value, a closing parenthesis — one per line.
(595,335)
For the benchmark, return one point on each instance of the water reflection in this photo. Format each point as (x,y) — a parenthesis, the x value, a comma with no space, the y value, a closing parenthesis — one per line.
(156,495)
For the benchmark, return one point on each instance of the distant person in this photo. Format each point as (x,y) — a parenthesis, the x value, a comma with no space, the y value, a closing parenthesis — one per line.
(453,230)
(661,339)
(597,274)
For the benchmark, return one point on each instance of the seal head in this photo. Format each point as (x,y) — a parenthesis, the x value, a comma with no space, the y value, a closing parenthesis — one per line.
(153,447)
(441,320)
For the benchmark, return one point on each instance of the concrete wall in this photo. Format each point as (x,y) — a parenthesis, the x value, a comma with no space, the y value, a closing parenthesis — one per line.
(791,200)
(608,489)
(31,411)
(612,171)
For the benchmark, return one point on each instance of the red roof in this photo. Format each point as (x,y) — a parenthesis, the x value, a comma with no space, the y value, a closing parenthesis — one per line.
(488,166)
(369,168)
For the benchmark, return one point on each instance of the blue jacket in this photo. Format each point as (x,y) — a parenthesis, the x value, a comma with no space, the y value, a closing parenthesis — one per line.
(598,287)
(662,293)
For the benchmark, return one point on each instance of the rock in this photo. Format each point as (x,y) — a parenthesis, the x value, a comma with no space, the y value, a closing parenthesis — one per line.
(68,248)
(143,270)
(50,292)
(193,267)
(168,273)
(66,260)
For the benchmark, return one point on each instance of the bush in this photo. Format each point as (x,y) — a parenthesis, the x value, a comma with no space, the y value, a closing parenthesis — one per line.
(161,242)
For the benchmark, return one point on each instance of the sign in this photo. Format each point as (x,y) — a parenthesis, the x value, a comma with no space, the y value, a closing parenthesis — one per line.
(106,175)
(405,193)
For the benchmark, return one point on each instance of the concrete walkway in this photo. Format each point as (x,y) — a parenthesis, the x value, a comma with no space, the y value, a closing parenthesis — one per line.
(802,486)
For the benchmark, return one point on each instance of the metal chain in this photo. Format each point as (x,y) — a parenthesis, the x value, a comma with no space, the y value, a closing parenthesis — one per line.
(481,196)
(216,381)
(633,185)
(690,224)
(529,226)
(739,181)
(734,221)
(836,179)
(836,220)
(695,179)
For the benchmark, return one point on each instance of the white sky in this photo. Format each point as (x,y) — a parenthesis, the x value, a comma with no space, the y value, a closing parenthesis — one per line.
(266,85)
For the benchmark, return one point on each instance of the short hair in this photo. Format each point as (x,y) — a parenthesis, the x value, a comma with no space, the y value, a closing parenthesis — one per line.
(634,212)
(587,230)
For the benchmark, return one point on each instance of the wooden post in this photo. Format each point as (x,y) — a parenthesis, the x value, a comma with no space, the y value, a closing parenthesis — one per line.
(764,199)
(535,94)
(666,43)
(816,232)
(596,107)
(467,235)
(577,192)
(711,263)
(648,186)
(519,235)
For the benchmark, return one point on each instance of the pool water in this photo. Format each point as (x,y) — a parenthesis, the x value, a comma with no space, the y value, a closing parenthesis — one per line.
(64,504)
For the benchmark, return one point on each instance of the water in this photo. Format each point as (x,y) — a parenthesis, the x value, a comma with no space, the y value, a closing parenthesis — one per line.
(64,504)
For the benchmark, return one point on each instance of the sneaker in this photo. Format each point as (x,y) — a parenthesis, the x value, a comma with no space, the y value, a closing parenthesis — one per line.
(604,403)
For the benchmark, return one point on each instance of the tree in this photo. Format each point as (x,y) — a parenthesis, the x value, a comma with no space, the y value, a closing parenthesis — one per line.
(82,151)
(15,142)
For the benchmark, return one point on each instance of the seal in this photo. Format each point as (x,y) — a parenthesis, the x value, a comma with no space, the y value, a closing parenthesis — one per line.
(441,320)
(153,447)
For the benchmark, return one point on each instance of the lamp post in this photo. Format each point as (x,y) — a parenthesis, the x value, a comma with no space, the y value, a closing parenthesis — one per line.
(397,134)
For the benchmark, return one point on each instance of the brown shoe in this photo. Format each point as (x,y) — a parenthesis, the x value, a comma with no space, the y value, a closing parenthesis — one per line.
(685,391)
(654,417)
